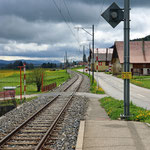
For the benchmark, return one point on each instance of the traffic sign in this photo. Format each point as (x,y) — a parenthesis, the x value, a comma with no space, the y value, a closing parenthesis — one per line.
(126,75)
(113,15)
(100,63)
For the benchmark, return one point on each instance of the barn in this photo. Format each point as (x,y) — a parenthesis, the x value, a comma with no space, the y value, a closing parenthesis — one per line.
(139,57)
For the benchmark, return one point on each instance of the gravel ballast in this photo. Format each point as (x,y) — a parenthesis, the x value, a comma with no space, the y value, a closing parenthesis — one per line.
(68,134)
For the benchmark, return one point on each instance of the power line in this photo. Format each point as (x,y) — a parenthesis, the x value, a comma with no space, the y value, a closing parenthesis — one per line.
(68,10)
(59,10)
(71,21)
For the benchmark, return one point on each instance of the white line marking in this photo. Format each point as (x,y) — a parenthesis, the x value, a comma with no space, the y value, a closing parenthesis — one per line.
(140,95)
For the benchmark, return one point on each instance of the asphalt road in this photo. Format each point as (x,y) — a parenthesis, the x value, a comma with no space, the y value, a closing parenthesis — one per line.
(114,87)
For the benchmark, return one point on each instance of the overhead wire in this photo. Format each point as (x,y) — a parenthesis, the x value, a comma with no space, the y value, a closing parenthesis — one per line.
(68,11)
(71,19)
(60,12)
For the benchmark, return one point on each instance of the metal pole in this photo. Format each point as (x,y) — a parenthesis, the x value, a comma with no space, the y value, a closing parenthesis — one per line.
(66,62)
(93,54)
(83,58)
(20,86)
(126,57)
(89,58)
(97,67)
(24,80)
(42,83)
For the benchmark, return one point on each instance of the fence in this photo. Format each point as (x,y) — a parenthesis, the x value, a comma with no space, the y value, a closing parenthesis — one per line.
(10,94)
(49,87)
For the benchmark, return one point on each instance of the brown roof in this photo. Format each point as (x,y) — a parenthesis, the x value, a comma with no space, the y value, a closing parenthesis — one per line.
(102,56)
(138,54)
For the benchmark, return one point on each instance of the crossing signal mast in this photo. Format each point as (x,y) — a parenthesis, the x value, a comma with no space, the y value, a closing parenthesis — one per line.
(114,15)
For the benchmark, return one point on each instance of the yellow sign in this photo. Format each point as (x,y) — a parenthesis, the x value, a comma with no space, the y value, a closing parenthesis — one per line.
(126,75)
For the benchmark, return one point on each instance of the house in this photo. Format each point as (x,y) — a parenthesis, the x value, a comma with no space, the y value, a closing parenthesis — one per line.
(102,58)
(139,57)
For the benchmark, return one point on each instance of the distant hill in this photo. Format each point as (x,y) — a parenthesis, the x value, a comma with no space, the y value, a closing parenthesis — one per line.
(31,61)
(147,38)
(34,62)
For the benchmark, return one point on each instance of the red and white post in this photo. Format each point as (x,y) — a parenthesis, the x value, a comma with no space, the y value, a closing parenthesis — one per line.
(110,66)
(97,66)
(20,84)
(24,68)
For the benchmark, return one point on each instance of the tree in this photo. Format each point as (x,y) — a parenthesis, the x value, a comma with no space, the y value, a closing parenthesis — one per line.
(35,77)
(17,63)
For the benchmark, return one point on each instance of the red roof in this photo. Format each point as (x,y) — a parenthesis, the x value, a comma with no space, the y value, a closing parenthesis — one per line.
(138,54)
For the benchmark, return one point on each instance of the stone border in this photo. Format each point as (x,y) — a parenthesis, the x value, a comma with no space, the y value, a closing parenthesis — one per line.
(79,145)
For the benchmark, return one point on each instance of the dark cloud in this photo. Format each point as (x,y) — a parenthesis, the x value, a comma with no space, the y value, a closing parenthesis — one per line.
(32,10)
(52,23)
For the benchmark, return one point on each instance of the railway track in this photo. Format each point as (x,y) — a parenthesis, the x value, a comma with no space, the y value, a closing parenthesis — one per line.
(41,127)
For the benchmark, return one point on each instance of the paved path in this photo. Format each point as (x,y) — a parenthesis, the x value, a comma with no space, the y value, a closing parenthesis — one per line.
(98,132)
(114,87)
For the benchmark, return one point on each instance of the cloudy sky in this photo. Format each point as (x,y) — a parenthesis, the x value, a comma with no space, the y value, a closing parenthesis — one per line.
(45,29)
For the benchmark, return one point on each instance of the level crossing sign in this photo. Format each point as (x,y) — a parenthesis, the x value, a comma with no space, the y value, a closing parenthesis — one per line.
(100,63)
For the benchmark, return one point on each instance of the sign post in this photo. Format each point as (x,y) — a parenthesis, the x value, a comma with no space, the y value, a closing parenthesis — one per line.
(114,15)
(24,68)
(126,57)
(20,83)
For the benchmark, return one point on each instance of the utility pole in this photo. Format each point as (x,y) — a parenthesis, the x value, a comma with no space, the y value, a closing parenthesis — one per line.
(89,58)
(93,54)
(92,48)
(66,61)
(97,66)
(83,56)
(126,57)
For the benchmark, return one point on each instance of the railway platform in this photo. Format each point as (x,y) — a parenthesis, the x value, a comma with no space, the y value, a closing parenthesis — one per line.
(98,132)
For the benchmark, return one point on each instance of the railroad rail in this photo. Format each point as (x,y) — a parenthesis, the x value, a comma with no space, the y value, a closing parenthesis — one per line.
(33,133)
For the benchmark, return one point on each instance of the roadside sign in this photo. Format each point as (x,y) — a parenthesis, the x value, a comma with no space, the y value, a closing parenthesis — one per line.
(100,63)
(126,75)
(113,15)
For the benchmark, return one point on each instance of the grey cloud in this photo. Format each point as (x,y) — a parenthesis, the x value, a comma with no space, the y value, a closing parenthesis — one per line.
(50,52)
(18,29)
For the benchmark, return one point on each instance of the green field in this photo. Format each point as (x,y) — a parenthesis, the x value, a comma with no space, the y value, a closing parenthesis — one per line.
(12,78)
(143,81)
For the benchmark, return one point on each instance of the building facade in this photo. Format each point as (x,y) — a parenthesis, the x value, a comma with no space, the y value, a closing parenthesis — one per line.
(139,57)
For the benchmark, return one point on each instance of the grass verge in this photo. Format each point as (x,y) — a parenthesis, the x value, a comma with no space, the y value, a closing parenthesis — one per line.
(115,107)
(142,81)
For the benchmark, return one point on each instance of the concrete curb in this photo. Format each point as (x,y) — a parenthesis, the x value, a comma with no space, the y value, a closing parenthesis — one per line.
(148,124)
(79,145)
